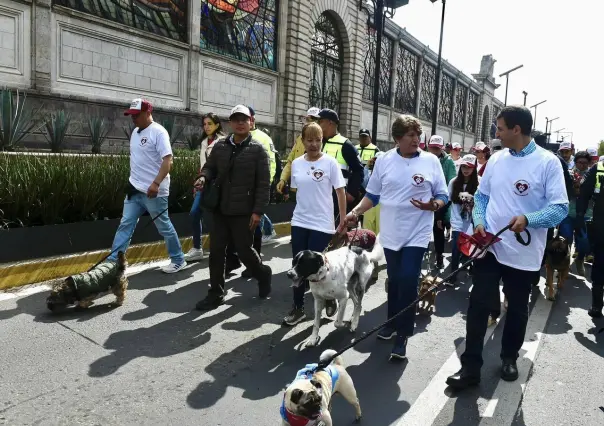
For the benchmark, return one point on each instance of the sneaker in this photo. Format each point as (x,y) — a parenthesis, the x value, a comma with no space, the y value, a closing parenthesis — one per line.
(264,283)
(266,238)
(399,350)
(331,307)
(386,333)
(209,303)
(194,255)
(173,267)
(294,316)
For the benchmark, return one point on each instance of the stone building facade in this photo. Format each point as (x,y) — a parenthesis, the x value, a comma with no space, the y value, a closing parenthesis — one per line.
(192,57)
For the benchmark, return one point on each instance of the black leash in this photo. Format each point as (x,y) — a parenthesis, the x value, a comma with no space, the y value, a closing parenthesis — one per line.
(147,224)
(323,364)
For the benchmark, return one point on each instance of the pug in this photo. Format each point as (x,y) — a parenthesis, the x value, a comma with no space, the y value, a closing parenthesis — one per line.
(307,400)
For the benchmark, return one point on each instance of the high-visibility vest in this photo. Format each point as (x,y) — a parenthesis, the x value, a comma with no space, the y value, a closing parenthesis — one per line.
(333,148)
(367,153)
(599,177)
(267,143)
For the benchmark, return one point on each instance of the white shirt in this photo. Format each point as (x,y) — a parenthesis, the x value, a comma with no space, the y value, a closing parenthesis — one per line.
(459,223)
(397,180)
(314,181)
(480,166)
(517,186)
(147,151)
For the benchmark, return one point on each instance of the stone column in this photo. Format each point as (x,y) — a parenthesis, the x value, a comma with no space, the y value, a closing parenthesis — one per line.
(42,40)
(193,83)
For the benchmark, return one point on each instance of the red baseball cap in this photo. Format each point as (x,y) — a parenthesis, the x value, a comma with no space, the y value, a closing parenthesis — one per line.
(137,106)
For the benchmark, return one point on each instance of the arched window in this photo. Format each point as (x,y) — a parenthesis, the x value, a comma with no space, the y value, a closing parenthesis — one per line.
(486,126)
(326,65)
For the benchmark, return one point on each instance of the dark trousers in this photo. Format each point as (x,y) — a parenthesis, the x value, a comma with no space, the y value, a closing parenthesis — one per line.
(517,286)
(597,269)
(232,259)
(439,234)
(235,230)
(404,268)
(306,239)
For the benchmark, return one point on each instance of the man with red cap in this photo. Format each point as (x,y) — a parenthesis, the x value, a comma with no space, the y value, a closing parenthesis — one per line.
(593,153)
(149,184)
(456,155)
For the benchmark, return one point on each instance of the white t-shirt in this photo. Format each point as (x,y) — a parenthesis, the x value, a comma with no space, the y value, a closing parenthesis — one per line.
(397,180)
(518,186)
(147,151)
(480,166)
(315,181)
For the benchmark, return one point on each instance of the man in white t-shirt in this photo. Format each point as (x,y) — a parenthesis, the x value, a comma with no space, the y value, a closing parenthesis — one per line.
(524,187)
(149,184)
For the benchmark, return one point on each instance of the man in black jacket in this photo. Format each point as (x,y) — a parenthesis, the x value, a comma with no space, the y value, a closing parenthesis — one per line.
(241,165)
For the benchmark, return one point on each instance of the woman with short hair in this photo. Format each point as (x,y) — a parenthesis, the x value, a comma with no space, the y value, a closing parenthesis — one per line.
(410,186)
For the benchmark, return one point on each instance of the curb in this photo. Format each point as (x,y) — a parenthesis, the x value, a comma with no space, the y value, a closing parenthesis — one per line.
(36,271)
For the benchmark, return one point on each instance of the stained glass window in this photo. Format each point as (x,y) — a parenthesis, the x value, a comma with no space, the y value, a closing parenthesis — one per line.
(405,96)
(385,79)
(242,29)
(472,106)
(166,18)
(445,106)
(460,105)
(326,65)
(426,103)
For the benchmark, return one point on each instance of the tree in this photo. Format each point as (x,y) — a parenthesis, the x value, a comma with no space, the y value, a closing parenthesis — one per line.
(601,148)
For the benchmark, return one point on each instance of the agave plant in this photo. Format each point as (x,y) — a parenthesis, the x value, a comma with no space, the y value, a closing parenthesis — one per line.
(15,121)
(56,126)
(99,129)
(193,140)
(173,130)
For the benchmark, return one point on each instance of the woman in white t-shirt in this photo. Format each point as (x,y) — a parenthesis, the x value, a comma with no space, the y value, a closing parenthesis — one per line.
(482,156)
(466,182)
(212,131)
(456,155)
(410,186)
(314,176)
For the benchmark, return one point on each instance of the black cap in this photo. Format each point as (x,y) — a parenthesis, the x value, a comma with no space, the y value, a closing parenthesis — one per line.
(252,111)
(329,114)
(364,132)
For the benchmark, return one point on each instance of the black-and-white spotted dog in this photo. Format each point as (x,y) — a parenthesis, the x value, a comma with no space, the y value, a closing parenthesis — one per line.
(336,275)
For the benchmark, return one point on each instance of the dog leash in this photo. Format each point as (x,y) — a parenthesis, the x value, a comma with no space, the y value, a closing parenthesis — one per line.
(323,364)
(147,224)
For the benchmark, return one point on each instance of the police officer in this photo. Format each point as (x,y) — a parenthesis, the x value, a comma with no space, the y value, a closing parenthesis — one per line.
(592,186)
(367,150)
(340,148)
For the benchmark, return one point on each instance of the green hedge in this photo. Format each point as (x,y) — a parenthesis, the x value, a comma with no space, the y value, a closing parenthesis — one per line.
(53,189)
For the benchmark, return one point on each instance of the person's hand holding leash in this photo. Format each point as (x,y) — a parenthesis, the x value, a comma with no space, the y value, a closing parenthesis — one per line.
(254,221)
(199,183)
(518,223)
(351,219)
(153,190)
(480,230)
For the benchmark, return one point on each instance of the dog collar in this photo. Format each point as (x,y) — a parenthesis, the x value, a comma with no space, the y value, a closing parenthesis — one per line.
(295,420)
(326,264)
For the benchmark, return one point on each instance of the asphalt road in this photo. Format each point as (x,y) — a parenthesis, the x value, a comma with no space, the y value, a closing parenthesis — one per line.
(155,361)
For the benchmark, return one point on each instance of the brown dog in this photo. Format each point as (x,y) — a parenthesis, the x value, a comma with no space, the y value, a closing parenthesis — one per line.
(557,258)
(427,303)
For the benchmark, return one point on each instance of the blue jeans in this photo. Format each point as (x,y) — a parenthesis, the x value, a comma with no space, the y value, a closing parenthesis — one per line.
(568,230)
(404,268)
(306,239)
(134,208)
(196,217)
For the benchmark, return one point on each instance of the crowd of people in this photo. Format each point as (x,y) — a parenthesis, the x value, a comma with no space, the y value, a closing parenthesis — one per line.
(412,194)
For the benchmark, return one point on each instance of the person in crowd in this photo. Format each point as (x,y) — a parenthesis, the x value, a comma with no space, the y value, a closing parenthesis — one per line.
(448,148)
(482,152)
(461,210)
(566,152)
(591,188)
(422,142)
(371,218)
(456,155)
(523,187)
(314,176)
(148,185)
(367,150)
(312,116)
(212,130)
(410,186)
(496,146)
(243,199)
(339,147)
(601,158)
(593,154)
(441,218)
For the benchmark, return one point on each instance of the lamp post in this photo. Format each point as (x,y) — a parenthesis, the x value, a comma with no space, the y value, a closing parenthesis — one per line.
(525,95)
(507,78)
(438,68)
(379,14)
(549,122)
(557,132)
(535,118)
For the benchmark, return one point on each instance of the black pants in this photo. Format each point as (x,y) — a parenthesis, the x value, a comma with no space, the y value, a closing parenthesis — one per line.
(232,260)
(597,276)
(235,230)
(439,234)
(517,286)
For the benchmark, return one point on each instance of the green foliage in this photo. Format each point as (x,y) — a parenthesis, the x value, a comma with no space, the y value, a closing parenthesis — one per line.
(601,148)
(99,129)
(15,121)
(173,130)
(56,126)
(53,189)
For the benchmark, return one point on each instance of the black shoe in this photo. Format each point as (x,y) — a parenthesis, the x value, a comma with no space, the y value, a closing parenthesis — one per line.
(294,316)
(264,281)
(210,302)
(509,371)
(597,296)
(439,261)
(331,307)
(463,379)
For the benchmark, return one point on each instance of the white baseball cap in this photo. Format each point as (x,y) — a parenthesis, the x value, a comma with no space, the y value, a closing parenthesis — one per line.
(468,160)
(137,106)
(593,152)
(241,109)
(481,146)
(565,146)
(313,112)
(436,140)
(601,158)
(456,145)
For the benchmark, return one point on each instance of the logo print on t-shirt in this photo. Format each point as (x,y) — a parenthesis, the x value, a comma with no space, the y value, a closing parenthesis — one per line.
(521,188)
(418,180)
(143,140)
(317,175)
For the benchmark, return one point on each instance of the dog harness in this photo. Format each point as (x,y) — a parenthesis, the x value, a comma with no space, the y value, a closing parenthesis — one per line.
(307,373)
(99,280)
